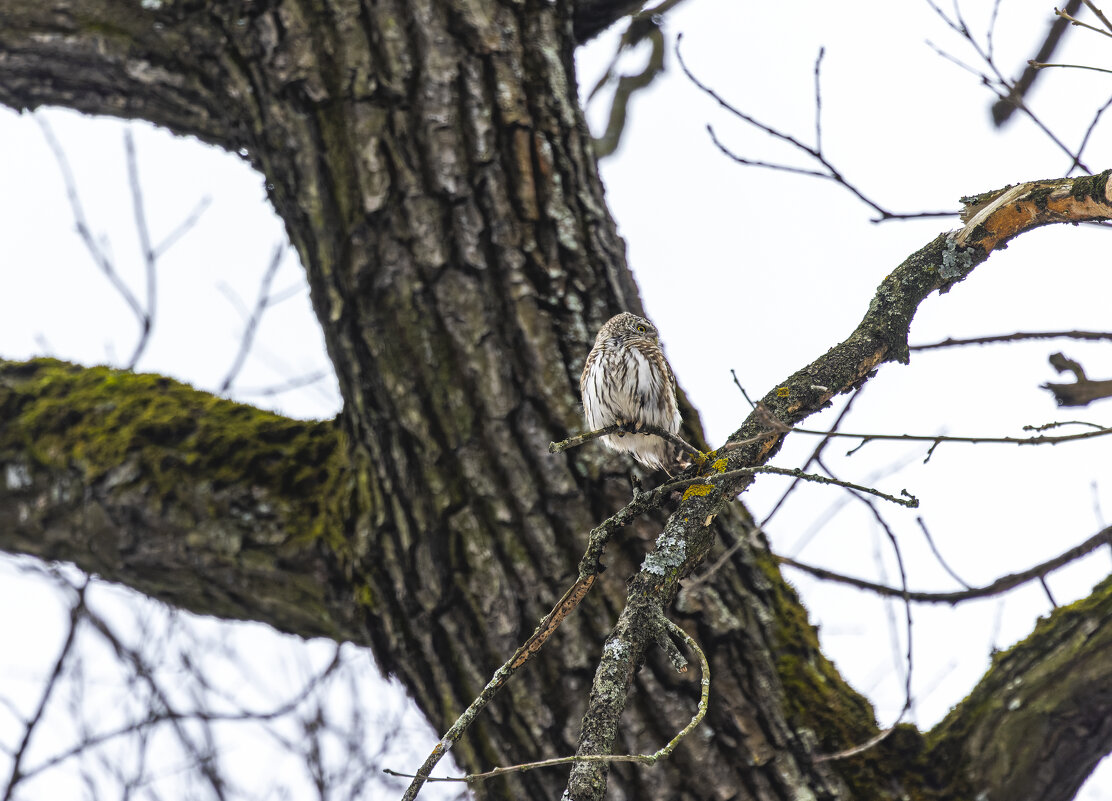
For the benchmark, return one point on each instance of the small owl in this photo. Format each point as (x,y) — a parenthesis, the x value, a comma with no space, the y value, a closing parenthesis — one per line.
(627,380)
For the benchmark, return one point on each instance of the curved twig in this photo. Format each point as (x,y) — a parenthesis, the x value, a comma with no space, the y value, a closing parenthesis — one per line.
(950,342)
(645,759)
(1002,584)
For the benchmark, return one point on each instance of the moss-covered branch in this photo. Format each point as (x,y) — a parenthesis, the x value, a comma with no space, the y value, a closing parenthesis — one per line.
(1041,718)
(212,506)
(159,61)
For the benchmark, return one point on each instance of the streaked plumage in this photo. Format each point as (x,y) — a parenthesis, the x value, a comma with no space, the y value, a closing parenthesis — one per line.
(627,380)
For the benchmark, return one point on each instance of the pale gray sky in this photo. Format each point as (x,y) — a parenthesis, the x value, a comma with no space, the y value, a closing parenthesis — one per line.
(739,267)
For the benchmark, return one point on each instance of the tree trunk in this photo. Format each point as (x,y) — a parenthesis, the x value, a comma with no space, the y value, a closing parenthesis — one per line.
(434,171)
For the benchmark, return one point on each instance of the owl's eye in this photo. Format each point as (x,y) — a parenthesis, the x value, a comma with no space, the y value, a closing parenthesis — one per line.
(640,329)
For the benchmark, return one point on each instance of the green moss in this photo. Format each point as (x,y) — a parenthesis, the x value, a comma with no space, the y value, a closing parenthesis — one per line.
(819,699)
(126,428)
(1053,644)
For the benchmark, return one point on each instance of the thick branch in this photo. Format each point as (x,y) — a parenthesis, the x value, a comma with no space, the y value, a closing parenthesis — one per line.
(1080,392)
(157,62)
(205,504)
(1041,719)
(993,219)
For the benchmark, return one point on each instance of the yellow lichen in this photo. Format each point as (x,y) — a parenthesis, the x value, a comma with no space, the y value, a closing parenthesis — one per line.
(701,490)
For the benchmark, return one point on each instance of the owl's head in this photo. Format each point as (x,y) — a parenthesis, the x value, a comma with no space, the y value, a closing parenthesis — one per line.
(627,327)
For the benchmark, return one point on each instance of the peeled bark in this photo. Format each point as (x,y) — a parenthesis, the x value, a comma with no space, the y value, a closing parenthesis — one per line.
(433,169)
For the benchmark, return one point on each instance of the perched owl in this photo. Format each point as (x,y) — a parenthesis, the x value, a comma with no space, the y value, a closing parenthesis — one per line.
(627,380)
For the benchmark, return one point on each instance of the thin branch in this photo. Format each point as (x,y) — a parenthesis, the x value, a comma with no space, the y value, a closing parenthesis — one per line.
(938,555)
(1003,108)
(950,342)
(1092,126)
(937,438)
(1100,14)
(643,26)
(1001,585)
(744,394)
(1039,65)
(81,223)
(645,759)
(77,612)
(262,302)
(1049,594)
(907,602)
(815,454)
(890,469)
(626,428)
(149,259)
(829,172)
(163,715)
(818,99)
(1000,86)
(696,485)
(1077,23)
(297,382)
(887,529)
(184,227)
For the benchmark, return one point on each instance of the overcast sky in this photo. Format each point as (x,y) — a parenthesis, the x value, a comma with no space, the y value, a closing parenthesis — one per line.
(741,268)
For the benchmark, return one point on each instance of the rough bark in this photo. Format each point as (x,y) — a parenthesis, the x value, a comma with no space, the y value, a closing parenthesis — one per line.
(1038,722)
(209,505)
(432,167)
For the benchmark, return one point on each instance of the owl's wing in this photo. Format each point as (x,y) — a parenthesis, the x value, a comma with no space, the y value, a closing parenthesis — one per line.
(592,357)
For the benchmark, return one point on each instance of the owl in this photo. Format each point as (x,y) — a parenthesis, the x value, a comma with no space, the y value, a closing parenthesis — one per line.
(627,380)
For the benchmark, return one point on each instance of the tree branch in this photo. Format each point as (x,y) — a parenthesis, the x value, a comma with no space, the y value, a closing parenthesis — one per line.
(171,66)
(1041,719)
(995,218)
(201,503)
(1001,585)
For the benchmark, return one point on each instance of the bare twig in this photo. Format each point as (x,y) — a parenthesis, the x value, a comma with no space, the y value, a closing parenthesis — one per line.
(818,99)
(815,454)
(937,438)
(1003,108)
(998,84)
(1100,14)
(149,260)
(184,227)
(694,486)
(938,555)
(1092,126)
(77,612)
(99,251)
(643,26)
(1040,65)
(1002,584)
(626,428)
(262,302)
(81,224)
(297,382)
(828,171)
(744,394)
(1016,337)
(908,617)
(646,759)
